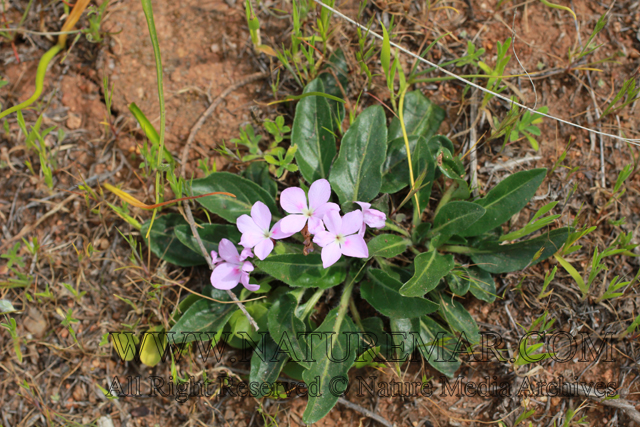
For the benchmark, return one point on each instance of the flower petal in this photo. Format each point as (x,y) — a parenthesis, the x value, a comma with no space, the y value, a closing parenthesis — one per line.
(277,233)
(245,282)
(324,238)
(330,254)
(247,267)
(364,205)
(263,249)
(315,225)
(374,218)
(293,200)
(246,253)
(319,193)
(214,258)
(321,211)
(225,276)
(351,223)
(228,251)
(355,246)
(261,215)
(246,224)
(292,223)
(249,240)
(333,222)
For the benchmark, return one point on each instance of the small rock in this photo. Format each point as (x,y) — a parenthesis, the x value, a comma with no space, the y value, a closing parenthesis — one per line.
(105,422)
(35,323)
(74,121)
(78,394)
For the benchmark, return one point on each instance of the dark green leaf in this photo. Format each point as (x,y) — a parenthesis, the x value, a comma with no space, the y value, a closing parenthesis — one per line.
(404,343)
(439,347)
(282,320)
(387,245)
(423,160)
(338,64)
(421,117)
(457,284)
(332,342)
(395,171)
(482,284)
(165,245)
(312,132)
(375,327)
(204,316)
(211,234)
(298,270)
(356,175)
(456,217)
(258,172)
(266,366)
(496,258)
(381,291)
(230,208)
(458,317)
(420,232)
(506,199)
(294,370)
(430,268)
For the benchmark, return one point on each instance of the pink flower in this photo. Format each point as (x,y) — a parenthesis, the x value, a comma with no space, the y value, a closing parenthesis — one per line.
(232,268)
(255,230)
(371,217)
(294,201)
(342,237)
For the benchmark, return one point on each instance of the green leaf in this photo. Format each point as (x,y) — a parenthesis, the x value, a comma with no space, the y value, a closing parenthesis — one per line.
(405,342)
(282,320)
(496,258)
(265,367)
(458,285)
(482,284)
(356,175)
(298,270)
(387,245)
(204,316)
(458,317)
(423,160)
(381,291)
(312,132)
(506,199)
(258,172)
(456,217)
(395,172)
(375,327)
(421,117)
(439,347)
(230,208)
(165,245)
(430,268)
(211,234)
(332,342)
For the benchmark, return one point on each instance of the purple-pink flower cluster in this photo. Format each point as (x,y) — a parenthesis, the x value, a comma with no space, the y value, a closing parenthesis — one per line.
(336,235)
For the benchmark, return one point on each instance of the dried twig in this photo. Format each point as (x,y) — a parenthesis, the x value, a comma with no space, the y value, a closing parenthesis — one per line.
(364,411)
(626,406)
(185,152)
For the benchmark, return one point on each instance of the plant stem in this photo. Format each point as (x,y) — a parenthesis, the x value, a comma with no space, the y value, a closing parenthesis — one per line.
(417,211)
(310,305)
(446,197)
(355,314)
(344,301)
